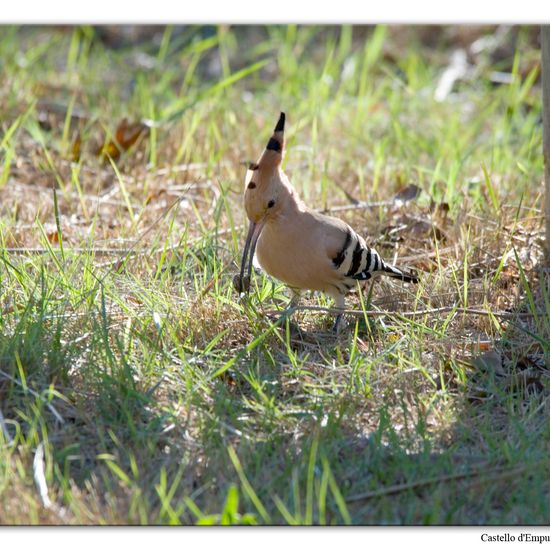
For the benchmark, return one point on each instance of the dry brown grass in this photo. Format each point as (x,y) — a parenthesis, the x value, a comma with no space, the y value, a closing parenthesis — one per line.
(121,314)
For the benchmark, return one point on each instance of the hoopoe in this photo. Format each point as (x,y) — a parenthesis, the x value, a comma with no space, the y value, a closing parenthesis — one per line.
(302,248)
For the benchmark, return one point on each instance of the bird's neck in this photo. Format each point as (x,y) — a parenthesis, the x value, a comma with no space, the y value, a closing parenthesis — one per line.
(290,203)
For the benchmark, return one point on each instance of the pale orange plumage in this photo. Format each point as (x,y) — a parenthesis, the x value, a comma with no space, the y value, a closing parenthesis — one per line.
(302,248)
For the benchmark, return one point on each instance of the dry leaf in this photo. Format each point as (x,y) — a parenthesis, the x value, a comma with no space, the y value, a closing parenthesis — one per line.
(484,345)
(53,237)
(407,194)
(421,229)
(134,300)
(126,135)
(76,148)
(50,230)
(457,69)
(489,361)
(439,208)
(228,379)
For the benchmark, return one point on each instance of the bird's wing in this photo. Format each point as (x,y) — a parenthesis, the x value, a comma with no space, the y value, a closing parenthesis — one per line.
(350,255)
(335,255)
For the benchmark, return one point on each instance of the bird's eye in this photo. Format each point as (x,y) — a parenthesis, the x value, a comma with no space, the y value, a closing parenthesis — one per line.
(252,185)
(271,203)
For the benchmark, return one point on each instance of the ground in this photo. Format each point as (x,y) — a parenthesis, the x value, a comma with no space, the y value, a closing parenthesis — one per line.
(136,386)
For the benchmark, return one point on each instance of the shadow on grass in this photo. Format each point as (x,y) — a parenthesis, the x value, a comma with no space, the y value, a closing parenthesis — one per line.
(485,462)
(491,464)
(304,442)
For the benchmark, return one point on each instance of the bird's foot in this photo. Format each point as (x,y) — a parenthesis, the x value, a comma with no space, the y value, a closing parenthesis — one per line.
(281,317)
(284,318)
(339,304)
(338,324)
(294,299)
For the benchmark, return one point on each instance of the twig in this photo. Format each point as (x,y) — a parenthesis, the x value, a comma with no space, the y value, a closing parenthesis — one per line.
(58,417)
(134,253)
(502,473)
(433,311)
(5,430)
(103,200)
(358,206)
(440,252)
(39,477)
(76,250)
(186,167)
(40,480)
(522,207)
(109,251)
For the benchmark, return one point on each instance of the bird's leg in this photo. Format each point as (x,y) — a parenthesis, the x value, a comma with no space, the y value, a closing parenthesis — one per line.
(336,326)
(340,303)
(294,301)
(295,298)
(286,313)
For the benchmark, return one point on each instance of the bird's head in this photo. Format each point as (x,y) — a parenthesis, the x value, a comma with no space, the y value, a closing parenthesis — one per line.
(266,189)
(264,179)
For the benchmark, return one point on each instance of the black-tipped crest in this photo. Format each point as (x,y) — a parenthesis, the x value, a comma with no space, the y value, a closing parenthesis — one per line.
(273,152)
(280,124)
(273,145)
(277,140)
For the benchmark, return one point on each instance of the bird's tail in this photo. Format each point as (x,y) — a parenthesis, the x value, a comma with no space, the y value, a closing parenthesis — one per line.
(396,273)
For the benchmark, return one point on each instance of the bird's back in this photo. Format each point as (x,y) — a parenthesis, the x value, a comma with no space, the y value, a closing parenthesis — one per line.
(296,248)
(310,250)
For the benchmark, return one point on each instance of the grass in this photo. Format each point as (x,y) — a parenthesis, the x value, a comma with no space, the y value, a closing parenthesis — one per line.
(137,388)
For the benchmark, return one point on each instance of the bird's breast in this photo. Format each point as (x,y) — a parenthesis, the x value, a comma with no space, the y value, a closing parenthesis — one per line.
(294,255)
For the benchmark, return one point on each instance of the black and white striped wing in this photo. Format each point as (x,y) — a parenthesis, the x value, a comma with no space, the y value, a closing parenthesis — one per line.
(356,260)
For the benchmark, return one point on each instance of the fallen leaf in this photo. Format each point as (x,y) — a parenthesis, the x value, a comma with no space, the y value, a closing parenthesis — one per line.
(489,361)
(407,194)
(484,345)
(53,237)
(439,208)
(50,229)
(133,300)
(125,136)
(228,379)
(421,229)
(75,149)
(457,69)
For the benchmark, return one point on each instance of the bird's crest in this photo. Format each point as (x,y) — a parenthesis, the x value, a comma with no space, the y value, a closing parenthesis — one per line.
(261,172)
(273,153)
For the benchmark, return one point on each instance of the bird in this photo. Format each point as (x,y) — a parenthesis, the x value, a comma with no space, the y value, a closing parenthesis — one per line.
(304,249)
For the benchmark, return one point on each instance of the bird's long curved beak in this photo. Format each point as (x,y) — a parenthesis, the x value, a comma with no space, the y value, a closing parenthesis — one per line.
(254,231)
